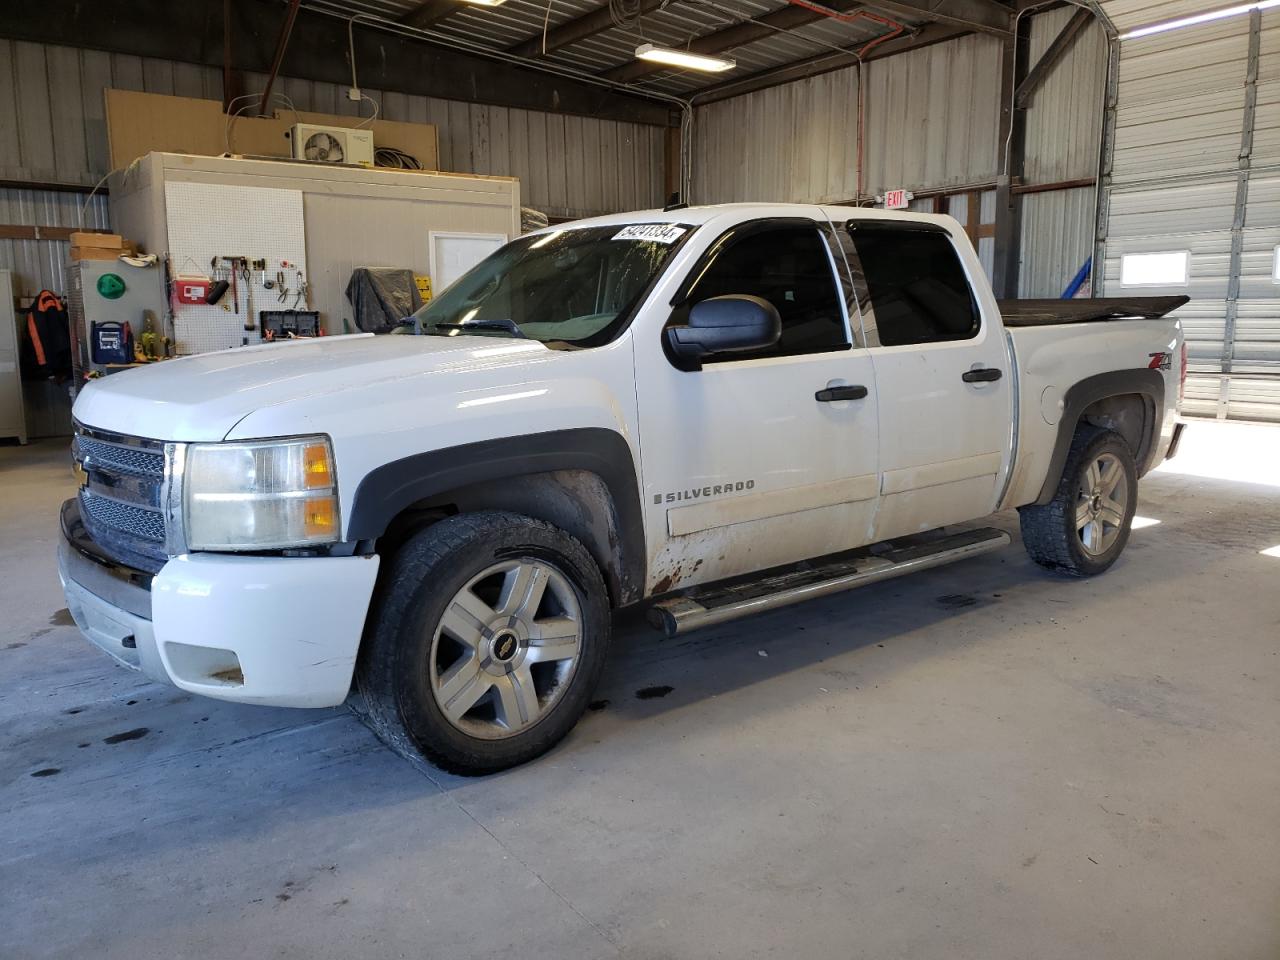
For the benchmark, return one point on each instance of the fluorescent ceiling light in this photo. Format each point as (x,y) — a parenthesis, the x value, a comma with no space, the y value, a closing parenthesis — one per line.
(688,60)
(1198,18)
(486,3)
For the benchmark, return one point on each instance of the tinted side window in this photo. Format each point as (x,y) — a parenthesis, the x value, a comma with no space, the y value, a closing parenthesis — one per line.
(788,266)
(917,289)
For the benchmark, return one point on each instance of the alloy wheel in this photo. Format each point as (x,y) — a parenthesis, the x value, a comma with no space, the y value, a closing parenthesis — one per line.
(505,649)
(1101,503)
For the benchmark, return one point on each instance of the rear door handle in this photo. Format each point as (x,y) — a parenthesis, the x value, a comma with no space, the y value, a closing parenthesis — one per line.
(981,375)
(830,394)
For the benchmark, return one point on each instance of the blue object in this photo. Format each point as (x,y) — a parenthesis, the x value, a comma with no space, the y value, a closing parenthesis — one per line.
(1078,280)
(112,342)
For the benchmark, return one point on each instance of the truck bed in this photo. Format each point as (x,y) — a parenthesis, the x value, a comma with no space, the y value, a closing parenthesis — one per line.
(1043,313)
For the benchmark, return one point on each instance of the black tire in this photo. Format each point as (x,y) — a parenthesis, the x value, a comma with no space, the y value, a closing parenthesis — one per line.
(424,578)
(1050,534)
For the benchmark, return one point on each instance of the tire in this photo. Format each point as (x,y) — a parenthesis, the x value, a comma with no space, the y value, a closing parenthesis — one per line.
(489,635)
(1084,528)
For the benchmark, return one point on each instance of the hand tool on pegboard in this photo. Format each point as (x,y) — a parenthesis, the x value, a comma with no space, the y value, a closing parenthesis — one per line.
(248,294)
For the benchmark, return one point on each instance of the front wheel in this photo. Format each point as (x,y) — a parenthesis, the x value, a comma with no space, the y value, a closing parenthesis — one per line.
(489,638)
(1084,528)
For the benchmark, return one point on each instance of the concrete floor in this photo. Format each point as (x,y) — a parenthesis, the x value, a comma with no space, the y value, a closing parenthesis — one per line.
(984,761)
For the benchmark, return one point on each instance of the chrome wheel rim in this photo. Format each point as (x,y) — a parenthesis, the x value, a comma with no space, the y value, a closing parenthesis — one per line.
(506,648)
(1101,504)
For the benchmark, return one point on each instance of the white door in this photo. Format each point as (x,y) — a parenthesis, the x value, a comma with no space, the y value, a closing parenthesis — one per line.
(942,374)
(748,464)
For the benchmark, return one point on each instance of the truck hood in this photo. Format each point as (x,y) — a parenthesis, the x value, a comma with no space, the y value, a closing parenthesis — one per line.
(204,397)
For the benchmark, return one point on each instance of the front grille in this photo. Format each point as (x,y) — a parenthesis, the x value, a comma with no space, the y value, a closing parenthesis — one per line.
(123,517)
(120,500)
(137,461)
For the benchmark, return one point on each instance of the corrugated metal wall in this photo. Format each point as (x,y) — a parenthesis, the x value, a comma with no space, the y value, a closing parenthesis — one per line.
(792,143)
(932,116)
(41,264)
(930,121)
(53,130)
(1127,14)
(1197,169)
(1063,126)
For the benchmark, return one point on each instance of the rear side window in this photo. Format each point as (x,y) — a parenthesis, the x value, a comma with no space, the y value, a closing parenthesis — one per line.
(912,286)
(786,264)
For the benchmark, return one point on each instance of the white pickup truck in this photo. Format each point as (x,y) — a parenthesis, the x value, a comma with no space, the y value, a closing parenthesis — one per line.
(711,410)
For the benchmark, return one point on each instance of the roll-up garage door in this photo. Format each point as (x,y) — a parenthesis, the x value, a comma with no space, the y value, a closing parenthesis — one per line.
(1192,203)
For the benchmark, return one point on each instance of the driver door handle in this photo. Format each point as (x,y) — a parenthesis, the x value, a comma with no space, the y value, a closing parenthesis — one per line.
(981,375)
(852,392)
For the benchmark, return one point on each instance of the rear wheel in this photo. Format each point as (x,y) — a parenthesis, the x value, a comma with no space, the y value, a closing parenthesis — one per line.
(1084,529)
(489,638)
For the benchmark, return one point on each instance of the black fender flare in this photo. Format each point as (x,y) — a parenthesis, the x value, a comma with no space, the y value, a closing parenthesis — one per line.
(388,490)
(1142,381)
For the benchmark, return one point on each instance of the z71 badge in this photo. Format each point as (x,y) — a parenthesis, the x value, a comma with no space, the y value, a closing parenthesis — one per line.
(704,493)
(1160,361)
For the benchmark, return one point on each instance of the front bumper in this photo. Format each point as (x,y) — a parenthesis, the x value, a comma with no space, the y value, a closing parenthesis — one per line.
(279,631)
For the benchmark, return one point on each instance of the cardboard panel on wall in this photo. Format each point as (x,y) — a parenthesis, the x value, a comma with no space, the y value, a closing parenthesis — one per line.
(142,123)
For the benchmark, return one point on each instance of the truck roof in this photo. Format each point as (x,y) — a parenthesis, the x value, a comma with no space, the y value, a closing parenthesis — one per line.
(705,213)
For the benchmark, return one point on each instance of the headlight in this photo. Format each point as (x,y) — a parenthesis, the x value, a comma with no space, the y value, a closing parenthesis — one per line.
(260,495)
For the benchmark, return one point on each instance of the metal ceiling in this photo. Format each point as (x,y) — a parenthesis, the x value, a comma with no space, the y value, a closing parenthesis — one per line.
(676,23)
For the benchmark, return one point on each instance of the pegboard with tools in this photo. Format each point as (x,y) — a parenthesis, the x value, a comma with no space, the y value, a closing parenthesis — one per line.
(249,243)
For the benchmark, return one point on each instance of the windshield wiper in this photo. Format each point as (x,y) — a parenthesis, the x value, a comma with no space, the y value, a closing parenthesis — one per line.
(510,326)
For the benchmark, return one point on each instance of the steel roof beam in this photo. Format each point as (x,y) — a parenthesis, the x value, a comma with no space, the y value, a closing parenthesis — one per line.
(983,16)
(927,35)
(737,35)
(579,28)
(431,11)
(1063,42)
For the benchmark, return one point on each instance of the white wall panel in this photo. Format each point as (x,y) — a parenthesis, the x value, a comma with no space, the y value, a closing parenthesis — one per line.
(1181,101)
(1057,238)
(1064,120)
(932,116)
(930,121)
(1127,14)
(794,142)
(41,264)
(1196,170)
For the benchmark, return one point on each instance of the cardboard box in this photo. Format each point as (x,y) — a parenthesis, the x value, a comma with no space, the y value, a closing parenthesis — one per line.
(107,241)
(97,253)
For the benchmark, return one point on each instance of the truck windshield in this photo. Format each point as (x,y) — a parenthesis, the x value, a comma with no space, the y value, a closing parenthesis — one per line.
(574,287)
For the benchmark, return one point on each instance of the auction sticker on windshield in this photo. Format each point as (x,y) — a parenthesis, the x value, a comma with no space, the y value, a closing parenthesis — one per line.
(657,232)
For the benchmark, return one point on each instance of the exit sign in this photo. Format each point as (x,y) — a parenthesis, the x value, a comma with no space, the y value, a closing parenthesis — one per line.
(896,199)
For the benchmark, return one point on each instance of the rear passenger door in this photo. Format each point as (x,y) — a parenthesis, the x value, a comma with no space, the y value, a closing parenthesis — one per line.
(942,377)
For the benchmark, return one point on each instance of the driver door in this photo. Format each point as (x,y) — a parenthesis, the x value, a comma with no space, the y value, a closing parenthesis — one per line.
(750,462)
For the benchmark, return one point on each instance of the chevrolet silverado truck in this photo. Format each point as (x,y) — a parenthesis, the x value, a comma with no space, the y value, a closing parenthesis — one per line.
(708,410)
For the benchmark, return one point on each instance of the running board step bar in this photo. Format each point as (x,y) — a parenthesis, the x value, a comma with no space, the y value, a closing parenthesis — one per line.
(716,605)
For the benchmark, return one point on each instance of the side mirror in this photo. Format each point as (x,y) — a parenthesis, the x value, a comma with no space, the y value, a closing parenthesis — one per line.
(731,324)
